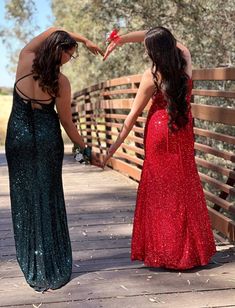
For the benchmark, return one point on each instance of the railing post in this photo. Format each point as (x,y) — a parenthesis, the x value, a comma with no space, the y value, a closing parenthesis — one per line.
(137,124)
(75,118)
(88,114)
(107,120)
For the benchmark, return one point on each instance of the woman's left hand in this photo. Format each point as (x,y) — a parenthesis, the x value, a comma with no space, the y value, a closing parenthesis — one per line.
(112,45)
(105,160)
(93,48)
(95,160)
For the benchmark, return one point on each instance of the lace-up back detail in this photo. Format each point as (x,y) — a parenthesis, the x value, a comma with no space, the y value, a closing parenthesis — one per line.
(35,103)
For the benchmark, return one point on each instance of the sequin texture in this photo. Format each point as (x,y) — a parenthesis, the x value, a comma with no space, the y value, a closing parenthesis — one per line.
(171,224)
(34,149)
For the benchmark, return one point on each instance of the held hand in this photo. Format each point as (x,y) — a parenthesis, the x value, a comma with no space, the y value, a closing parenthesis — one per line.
(105,160)
(110,153)
(93,48)
(95,160)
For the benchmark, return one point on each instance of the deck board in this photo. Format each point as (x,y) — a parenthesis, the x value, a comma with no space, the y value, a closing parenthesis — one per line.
(100,206)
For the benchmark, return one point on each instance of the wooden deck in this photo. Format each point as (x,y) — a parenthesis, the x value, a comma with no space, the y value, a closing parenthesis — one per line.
(100,208)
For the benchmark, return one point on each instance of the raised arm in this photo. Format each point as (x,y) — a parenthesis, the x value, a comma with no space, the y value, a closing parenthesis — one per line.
(132,37)
(33,45)
(138,37)
(145,92)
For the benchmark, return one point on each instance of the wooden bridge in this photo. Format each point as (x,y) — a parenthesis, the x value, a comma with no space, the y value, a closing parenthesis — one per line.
(100,110)
(100,207)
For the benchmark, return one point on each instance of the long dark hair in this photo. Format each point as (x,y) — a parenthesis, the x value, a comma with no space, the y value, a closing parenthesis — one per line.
(168,61)
(47,61)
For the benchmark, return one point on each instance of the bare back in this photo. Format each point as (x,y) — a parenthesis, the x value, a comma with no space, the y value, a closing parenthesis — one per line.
(27,87)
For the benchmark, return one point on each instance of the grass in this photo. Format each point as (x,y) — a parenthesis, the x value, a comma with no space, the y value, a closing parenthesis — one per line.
(5,109)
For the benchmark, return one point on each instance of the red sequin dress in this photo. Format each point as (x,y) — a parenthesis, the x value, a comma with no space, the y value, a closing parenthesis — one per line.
(171,225)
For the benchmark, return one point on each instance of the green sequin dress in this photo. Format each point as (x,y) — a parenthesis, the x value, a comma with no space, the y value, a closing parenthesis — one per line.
(34,150)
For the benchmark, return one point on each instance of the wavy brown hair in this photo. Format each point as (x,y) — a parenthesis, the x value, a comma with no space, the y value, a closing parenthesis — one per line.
(168,61)
(47,61)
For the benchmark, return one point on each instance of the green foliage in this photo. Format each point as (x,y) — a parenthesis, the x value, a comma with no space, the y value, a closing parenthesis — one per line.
(94,20)
(207,28)
(21,12)
(21,27)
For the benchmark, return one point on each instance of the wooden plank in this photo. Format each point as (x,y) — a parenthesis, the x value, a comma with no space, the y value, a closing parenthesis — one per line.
(124,103)
(130,158)
(221,186)
(80,108)
(221,202)
(213,93)
(115,103)
(123,80)
(93,131)
(85,233)
(214,113)
(207,149)
(92,88)
(125,168)
(118,116)
(130,138)
(211,166)
(112,133)
(91,218)
(90,245)
(118,92)
(132,148)
(125,284)
(222,223)
(224,73)
(214,135)
(176,300)
(118,125)
(102,255)
(110,83)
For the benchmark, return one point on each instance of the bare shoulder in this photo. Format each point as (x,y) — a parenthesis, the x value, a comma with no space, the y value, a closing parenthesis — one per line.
(64,83)
(187,56)
(64,89)
(25,64)
(148,74)
(147,79)
(63,79)
(184,49)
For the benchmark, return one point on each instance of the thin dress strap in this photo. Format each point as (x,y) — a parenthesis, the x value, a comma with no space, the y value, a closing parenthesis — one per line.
(23,77)
(33,100)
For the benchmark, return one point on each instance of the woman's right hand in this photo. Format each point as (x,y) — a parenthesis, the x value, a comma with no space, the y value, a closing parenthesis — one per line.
(131,37)
(111,47)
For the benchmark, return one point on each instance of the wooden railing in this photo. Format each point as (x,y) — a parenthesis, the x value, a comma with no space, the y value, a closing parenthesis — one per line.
(99,111)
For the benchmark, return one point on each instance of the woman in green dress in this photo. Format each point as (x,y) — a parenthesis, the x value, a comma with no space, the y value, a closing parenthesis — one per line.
(34,150)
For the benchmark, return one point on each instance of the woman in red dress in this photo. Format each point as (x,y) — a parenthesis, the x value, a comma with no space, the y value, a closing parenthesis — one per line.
(171,224)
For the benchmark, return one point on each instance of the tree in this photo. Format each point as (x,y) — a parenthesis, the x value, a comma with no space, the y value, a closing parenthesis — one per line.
(205,27)
(21,27)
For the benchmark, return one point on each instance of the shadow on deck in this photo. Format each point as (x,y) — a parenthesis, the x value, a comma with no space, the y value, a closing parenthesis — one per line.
(100,207)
